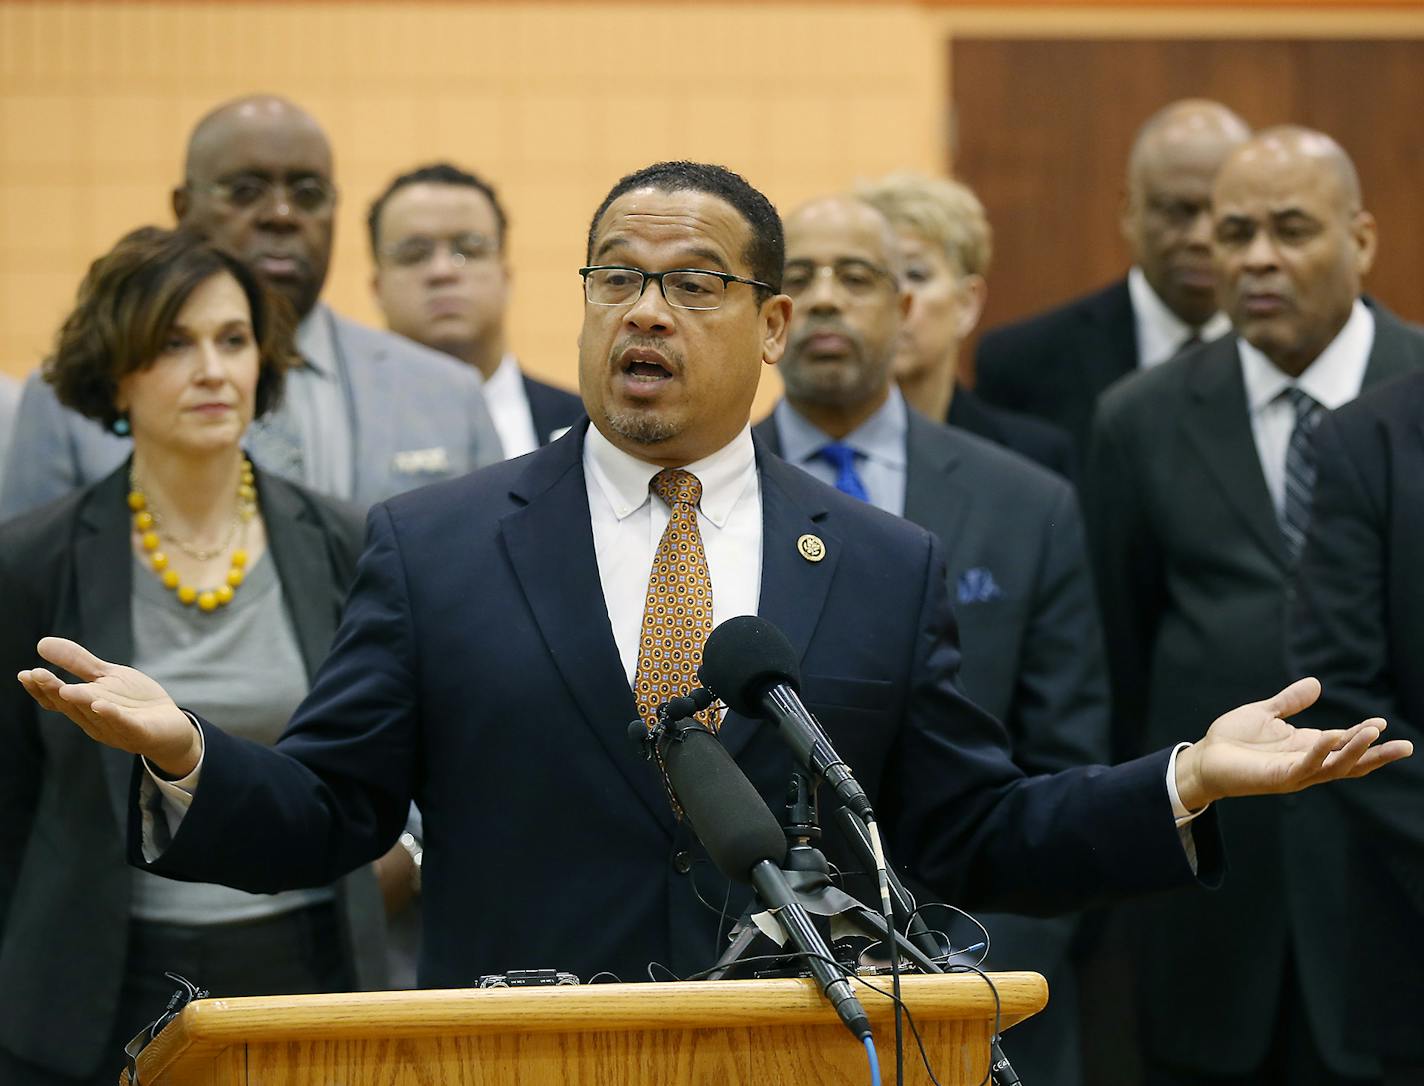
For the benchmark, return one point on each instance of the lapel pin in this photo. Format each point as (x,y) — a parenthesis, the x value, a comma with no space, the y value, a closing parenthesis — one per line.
(811,548)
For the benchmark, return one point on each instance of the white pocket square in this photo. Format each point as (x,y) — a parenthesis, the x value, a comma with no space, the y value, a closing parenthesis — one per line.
(422,461)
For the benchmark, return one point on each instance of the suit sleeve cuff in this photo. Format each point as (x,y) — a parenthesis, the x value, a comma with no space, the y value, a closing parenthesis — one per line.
(163,802)
(1179,810)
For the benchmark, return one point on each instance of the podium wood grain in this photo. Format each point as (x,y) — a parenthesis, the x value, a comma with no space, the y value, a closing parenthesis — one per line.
(767,1031)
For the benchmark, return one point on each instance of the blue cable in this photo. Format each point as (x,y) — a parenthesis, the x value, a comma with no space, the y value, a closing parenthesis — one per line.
(874,1062)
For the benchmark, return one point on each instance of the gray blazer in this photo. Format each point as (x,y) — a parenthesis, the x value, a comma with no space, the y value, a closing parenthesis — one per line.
(417,416)
(1193,572)
(9,401)
(64,880)
(1028,621)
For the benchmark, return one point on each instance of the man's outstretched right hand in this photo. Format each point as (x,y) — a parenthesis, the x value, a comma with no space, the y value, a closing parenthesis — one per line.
(117,705)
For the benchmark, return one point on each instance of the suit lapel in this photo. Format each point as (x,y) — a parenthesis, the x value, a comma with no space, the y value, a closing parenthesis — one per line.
(1218,423)
(793,589)
(103,563)
(373,407)
(549,543)
(935,498)
(299,552)
(1112,349)
(1395,351)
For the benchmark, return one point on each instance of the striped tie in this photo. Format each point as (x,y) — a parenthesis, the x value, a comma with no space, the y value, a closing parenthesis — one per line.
(1300,470)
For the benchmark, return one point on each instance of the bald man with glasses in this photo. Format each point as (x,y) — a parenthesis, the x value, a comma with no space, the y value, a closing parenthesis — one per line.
(367,415)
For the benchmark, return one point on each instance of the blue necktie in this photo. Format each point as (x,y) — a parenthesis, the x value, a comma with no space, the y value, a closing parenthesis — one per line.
(842,458)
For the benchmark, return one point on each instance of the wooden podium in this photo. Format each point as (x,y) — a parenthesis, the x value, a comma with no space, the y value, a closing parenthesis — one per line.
(762,1032)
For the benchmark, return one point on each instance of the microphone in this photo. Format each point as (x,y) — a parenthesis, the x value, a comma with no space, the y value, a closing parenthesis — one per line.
(747,844)
(749,664)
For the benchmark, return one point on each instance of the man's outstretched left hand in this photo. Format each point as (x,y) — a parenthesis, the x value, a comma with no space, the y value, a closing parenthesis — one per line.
(1252,751)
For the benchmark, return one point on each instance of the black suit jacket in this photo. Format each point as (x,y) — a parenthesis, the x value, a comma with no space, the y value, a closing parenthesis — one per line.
(1040,441)
(1192,570)
(1358,626)
(475,670)
(1055,365)
(554,409)
(66,569)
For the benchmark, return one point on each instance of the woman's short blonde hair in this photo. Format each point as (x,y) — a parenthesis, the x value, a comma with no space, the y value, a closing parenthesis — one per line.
(938,210)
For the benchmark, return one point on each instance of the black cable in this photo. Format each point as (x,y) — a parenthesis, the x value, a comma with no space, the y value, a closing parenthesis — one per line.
(909,1018)
(998,1013)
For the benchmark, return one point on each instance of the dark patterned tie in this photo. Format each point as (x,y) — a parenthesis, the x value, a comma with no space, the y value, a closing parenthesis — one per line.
(1300,470)
(842,458)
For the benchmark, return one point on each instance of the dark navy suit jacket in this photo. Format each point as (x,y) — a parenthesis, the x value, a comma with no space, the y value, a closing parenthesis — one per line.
(554,409)
(475,671)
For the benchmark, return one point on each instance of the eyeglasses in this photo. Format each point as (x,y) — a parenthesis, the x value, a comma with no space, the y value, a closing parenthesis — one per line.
(420,249)
(310,195)
(856,278)
(684,288)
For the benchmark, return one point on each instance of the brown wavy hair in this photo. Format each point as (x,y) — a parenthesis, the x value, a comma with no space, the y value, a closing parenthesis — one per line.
(126,307)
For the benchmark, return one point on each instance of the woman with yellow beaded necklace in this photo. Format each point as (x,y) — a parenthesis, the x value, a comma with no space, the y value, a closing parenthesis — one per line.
(186,559)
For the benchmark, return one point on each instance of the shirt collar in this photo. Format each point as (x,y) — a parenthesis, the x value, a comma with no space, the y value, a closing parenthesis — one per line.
(315,341)
(1332,380)
(880,437)
(623,479)
(506,380)
(1160,332)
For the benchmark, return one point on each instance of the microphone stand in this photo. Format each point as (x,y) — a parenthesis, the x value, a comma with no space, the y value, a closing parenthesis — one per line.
(809,876)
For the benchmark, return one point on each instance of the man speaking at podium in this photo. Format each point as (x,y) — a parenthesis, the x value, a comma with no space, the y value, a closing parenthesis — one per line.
(505,627)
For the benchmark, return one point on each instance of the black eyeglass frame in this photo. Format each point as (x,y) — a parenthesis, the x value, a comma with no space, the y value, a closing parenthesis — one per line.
(726,277)
(222,189)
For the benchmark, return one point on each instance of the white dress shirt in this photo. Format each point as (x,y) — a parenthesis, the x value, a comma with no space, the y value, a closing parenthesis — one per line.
(508,405)
(1332,380)
(1160,332)
(628,522)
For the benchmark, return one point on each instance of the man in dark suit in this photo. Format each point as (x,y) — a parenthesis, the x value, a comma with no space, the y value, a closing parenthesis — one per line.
(441,278)
(505,627)
(1198,488)
(367,415)
(1359,595)
(945,241)
(1055,365)
(1013,540)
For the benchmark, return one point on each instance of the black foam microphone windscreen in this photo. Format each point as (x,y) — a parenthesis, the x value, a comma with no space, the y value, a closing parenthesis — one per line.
(742,658)
(728,815)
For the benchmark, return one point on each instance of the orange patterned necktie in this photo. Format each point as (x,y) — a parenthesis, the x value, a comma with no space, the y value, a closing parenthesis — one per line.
(677,617)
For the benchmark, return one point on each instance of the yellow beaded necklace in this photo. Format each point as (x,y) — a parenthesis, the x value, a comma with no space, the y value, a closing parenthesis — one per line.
(147,522)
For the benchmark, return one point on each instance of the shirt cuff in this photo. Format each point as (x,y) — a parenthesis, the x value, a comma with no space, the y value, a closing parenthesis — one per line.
(164,802)
(1179,810)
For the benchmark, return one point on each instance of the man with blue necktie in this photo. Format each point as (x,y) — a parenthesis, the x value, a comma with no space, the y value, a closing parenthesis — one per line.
(1012,534)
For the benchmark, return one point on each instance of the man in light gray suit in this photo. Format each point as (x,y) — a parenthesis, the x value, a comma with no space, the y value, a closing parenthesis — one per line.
(368,415)
(1013,539)
(9,400)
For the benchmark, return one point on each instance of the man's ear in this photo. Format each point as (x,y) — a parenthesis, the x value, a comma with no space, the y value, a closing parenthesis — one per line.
(776,323)
(181,202)
(1366,235)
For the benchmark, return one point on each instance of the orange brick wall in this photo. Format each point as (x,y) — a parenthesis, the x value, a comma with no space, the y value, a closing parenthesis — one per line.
(552,101)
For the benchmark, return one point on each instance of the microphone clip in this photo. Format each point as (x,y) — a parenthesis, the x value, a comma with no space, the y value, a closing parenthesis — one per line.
(675,717)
